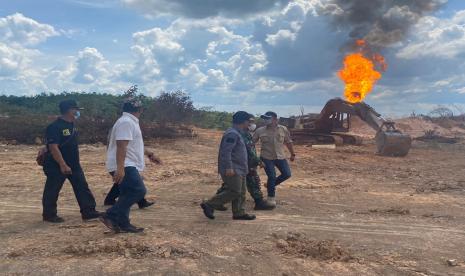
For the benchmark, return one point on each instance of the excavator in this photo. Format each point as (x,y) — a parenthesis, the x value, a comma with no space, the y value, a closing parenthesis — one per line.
(332,124)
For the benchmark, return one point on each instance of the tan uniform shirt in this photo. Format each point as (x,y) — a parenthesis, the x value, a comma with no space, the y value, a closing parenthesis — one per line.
(272,141)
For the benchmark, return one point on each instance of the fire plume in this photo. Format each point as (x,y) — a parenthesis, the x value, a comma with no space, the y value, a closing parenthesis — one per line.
(359,73)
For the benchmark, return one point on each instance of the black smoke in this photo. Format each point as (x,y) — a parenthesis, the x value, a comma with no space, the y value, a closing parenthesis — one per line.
(380,22)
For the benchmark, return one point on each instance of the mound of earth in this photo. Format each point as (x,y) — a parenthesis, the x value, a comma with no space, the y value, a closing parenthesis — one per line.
(296,244)
(129,248)
(415,127)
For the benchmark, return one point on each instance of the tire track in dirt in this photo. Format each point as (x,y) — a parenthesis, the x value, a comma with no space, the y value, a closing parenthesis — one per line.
(318,223)
(358,226)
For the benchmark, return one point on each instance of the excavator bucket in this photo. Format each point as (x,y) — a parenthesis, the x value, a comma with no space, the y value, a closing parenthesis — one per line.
(393,143)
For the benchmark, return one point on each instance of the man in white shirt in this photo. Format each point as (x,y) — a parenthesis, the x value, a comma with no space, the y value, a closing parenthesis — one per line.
(125,159)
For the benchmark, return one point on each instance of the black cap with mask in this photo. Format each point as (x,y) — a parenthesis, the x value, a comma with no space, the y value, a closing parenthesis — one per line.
(67,105)
(241,117)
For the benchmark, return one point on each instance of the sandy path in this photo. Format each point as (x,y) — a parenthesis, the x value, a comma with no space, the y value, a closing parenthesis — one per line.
(391,216)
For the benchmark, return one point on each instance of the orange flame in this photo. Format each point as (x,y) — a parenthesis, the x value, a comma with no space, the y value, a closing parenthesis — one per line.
(359,74)
(360,42)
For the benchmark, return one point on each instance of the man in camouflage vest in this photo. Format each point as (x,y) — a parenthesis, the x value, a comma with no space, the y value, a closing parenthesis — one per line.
(252,178)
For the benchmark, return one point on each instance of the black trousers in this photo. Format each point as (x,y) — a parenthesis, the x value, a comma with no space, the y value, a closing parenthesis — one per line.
(113,194)
(53,185)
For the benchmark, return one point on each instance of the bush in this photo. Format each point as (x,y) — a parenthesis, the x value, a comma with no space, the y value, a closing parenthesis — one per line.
(170,108)
(23,128)
(205,118)
(441,112)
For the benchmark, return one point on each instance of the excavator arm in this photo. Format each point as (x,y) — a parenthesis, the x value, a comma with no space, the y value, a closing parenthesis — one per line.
(389,140)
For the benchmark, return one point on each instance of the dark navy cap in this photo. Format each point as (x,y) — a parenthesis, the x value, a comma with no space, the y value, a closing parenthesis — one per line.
(241,116)
(269,115)
(66,105)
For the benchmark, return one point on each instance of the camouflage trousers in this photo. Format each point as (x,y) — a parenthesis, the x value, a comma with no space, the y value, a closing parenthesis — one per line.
(253,185)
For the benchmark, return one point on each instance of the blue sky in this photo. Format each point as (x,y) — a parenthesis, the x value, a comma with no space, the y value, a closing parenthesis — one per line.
(231,55)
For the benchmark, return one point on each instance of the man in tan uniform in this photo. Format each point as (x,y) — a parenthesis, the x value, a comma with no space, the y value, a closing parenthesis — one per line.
(273,138)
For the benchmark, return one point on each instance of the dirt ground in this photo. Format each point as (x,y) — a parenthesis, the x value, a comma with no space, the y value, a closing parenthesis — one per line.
(343,212)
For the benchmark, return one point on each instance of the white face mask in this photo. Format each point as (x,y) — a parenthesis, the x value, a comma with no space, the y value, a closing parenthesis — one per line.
(77,115)
(268,122)
(252,127)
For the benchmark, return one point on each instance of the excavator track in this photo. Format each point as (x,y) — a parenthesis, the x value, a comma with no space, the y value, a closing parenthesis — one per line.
(338,139)
(349,139)
(303,136)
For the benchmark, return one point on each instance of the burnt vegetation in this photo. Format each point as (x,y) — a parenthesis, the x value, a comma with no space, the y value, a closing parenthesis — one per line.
(171,114)
(444,116)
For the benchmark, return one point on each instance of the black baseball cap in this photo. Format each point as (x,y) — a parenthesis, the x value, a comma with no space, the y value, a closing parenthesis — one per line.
(269,115)
(241,116)
(66,105)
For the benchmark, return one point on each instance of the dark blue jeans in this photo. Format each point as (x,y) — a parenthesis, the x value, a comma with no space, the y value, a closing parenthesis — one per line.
(132,189)
(274,181)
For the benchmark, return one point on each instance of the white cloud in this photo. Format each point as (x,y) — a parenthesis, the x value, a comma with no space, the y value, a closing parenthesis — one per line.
(17,28)
(217,79)
(18,36)
(205,8)
(158,54)
(12,60)
(160,41)
(197,57)
(460,90)
(299,44)
(435,37)
(26,70)
(192,76)
(90,66)
(143,70)
(282,36)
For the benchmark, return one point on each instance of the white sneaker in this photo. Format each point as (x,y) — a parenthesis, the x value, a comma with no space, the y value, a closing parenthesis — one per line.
(271,201)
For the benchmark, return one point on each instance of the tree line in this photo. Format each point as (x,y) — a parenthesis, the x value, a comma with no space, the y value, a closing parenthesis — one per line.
(171,114)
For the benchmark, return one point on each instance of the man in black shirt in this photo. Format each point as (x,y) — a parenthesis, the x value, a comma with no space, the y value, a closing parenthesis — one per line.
(62,162)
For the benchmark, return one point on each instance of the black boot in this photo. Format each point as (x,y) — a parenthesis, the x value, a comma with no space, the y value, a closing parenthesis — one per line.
(208,210)
(91,215)
(131,229)
(144,203)
(263,205)
(244,217)
(54,219)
